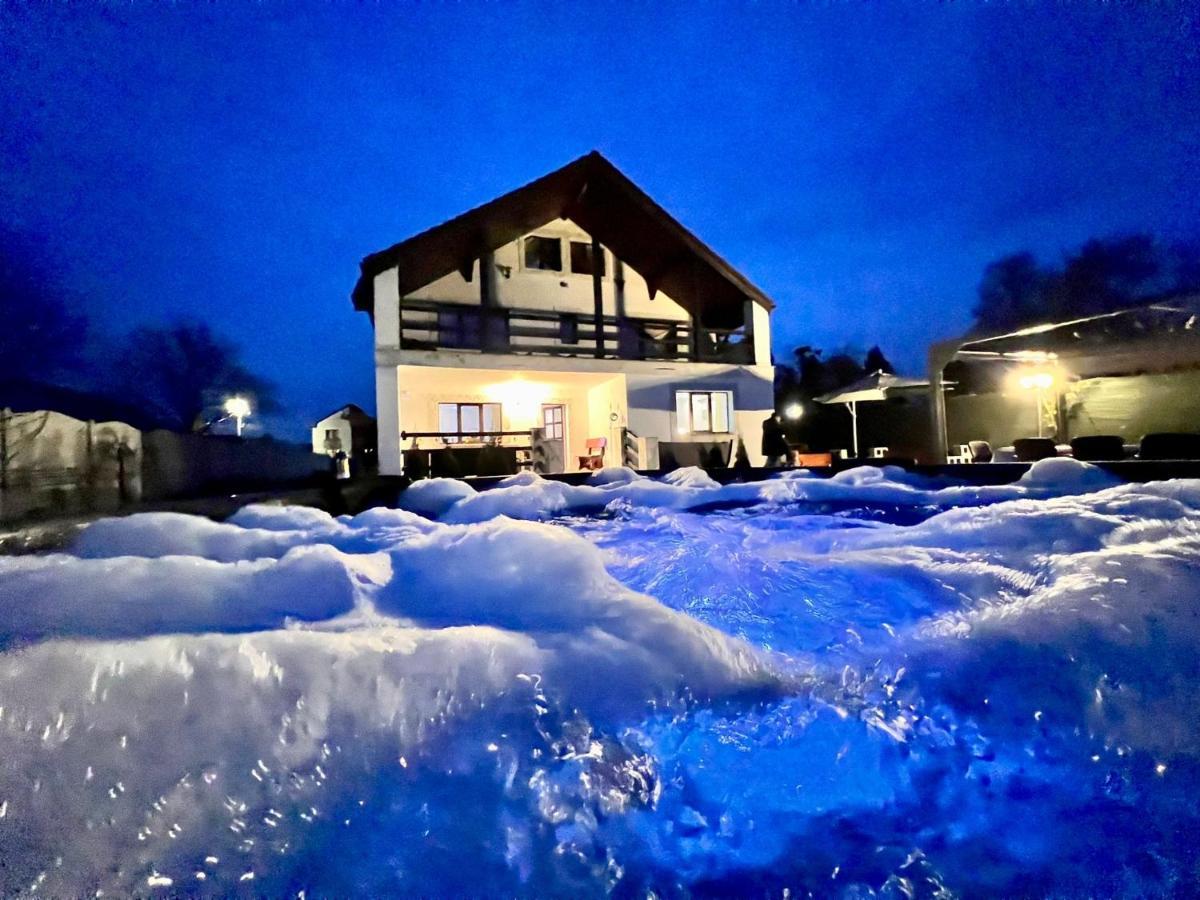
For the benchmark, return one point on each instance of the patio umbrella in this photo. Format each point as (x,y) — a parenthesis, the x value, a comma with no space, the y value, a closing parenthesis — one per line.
(867,389)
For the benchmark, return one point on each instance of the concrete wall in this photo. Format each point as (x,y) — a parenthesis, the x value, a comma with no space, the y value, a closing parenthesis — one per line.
(1129,406)
(55,465)
(183,465)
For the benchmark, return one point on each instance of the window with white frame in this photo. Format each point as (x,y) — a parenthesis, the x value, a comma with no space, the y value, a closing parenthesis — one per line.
(704,412)
(467,419)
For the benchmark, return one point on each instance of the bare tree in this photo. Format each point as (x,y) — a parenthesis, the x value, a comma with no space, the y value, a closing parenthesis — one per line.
(181,374)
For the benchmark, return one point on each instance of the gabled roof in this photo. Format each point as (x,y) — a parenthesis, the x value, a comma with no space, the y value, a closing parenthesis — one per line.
(594,194)
(352,410)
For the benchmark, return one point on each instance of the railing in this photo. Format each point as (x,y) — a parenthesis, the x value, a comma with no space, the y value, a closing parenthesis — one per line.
(429,325)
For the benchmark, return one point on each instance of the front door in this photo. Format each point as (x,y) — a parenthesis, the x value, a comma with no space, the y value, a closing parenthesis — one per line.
(554,431)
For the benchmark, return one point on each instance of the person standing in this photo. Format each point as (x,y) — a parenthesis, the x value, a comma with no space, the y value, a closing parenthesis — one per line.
(774,443)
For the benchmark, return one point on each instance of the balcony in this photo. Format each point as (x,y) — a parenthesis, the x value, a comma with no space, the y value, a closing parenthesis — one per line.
(430,325)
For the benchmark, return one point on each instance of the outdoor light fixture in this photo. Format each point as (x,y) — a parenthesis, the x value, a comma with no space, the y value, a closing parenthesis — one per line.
(521,400)
(793,411)
(237,408)
(1039,381)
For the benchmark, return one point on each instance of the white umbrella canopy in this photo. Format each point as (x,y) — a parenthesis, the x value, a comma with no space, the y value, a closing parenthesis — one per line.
(869,388)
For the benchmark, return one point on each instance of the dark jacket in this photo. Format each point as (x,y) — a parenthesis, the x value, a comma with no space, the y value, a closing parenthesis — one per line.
(773,441)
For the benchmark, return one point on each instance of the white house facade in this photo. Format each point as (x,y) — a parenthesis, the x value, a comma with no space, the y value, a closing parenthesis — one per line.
(573,305)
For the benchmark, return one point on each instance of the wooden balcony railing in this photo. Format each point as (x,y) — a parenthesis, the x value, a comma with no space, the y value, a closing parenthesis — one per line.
(429,325)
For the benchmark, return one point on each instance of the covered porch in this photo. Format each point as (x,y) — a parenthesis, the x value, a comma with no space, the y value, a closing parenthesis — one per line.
(460,421)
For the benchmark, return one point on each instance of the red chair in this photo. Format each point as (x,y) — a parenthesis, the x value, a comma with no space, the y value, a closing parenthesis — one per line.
(595,454)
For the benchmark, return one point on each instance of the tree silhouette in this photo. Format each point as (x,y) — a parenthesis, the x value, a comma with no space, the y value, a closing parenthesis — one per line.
(183,373)
(1103,275)
(875,361)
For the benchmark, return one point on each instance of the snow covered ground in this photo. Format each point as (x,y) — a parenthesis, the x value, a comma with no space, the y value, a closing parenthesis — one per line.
(873,683)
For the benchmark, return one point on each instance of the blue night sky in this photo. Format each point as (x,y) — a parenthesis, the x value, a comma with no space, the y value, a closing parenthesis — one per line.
(859,163)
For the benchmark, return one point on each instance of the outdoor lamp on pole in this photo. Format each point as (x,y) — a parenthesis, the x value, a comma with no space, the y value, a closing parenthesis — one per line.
(1039,382)
(793,412)
(237,408)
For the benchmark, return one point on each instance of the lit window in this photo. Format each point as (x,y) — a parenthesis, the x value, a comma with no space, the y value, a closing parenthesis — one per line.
(467,419)
(552,422)
(543,253)
(581,258)
(704,412)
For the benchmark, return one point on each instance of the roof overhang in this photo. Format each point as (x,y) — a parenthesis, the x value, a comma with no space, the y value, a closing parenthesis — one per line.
(1160,336)
(594,194)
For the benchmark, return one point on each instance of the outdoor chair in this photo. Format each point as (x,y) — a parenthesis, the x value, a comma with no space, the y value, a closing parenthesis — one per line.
(1033,449)
(1169,445)
(1098,447)
(594,458)
(979,451)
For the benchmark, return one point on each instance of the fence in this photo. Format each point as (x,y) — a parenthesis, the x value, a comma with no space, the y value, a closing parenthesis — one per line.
(52,464)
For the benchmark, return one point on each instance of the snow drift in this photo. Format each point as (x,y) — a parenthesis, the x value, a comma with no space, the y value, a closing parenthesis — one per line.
(840,686)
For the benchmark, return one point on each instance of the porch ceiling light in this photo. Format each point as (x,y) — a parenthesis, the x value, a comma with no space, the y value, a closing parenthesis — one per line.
(520,400)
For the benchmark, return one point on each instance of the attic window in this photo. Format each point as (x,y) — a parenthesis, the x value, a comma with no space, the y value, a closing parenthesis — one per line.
(543,253)
(581,258)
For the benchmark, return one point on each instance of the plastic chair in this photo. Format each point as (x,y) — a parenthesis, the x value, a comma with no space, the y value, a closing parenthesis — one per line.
(980,451)
(1096,447)
(1170,445)
(594,458)
(1033,449)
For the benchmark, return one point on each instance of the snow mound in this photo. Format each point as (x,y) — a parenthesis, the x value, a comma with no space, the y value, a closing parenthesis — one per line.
(281,517)
(614,475)
(433,496)
(62,595)
(532,497)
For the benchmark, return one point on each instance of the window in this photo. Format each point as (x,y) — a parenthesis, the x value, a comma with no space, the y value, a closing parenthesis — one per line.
(706,412)
(552,422)
(543,253)
(331,434)
(459,328)
(581,258)
(468,419)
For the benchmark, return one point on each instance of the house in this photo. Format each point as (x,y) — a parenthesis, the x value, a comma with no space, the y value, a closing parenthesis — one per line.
(348,430)
(574,305)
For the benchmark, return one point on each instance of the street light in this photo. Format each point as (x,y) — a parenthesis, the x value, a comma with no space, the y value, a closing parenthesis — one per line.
(793,411)
(237,408)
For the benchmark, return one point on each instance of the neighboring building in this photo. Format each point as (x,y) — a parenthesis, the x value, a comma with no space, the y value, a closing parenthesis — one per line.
(347,430)
(576,305)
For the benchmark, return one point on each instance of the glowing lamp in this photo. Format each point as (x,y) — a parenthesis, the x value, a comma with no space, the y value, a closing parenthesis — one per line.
(521,400)
(793,411)
(1036,381)
(237,408)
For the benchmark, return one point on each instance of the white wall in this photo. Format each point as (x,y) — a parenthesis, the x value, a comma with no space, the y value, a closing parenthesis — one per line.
(554,291)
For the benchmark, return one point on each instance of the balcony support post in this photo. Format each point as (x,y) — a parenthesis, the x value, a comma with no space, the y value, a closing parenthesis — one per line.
(598,297)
